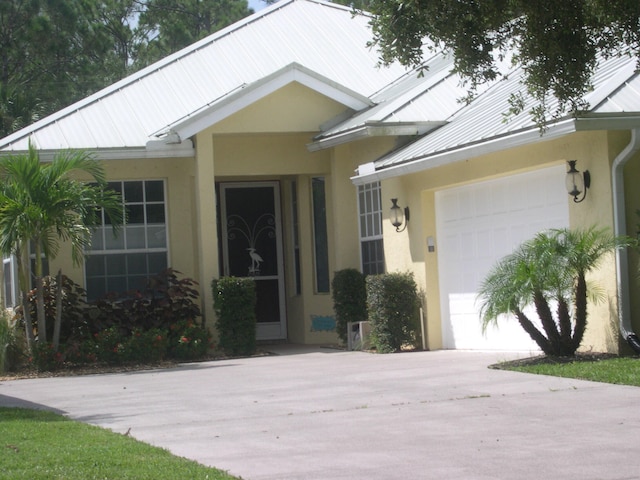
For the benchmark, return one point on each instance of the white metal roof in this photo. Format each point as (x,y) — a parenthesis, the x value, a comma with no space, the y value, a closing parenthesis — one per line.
(412,105)
(415,104)
(481,127)
(323,46)
(319,37)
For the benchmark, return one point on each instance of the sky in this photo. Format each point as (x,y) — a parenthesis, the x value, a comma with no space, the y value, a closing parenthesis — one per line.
(257,4)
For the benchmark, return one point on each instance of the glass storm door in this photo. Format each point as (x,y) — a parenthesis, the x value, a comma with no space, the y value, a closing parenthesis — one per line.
(252,247)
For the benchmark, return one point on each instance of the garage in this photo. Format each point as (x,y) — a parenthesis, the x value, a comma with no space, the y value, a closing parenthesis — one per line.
(477,225)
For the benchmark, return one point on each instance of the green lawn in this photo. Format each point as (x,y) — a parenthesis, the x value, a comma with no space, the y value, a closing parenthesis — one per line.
(623,370)
(42,445)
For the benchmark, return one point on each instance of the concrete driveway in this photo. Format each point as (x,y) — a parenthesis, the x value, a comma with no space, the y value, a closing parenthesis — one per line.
(313,413)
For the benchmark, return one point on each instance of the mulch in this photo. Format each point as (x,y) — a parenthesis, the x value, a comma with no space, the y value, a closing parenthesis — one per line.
(98,368)
(549,360)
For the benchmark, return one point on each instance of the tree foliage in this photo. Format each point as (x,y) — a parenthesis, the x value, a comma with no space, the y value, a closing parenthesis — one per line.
(56,52)
(557,43)
(549,273)
(42,205)
(356,4)
(169,25)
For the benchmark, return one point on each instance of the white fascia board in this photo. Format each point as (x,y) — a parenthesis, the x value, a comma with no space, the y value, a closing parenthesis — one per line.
(135,153)
(466,152)
(374,130)
(253,92)
(608,122)
(338,139)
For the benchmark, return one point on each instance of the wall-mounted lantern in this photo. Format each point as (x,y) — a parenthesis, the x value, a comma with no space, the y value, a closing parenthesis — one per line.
(577,183)
(397,215)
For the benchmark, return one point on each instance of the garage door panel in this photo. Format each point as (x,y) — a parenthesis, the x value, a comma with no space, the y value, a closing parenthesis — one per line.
(478,225)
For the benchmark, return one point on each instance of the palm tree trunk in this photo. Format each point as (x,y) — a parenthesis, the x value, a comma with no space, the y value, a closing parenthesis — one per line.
(564,319)
(548,323)
(534,333)
(3,300)
(42,320)
(23,280)
(58,321)
(581,311)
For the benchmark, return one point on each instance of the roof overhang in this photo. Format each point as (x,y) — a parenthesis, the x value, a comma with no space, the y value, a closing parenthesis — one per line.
(154,149)
(372,129)
(369,172)
(248,94)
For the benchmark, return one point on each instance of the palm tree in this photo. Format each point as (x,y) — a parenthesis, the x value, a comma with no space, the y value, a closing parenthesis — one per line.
(549,273)
(42,204)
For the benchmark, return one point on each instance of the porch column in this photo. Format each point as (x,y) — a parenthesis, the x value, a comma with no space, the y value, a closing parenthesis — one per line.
(207,232)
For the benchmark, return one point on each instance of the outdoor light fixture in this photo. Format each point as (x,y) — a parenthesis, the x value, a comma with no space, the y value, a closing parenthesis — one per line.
(577,183)
(397,215)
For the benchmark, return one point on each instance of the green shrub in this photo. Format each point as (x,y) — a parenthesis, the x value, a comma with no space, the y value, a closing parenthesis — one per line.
(7,338)
(45,358)
(349,294)
(74,321)
(146,346)
(81,352)
(188,341)
(235,306)
(165,300)
(393,305)
(16,351)
(111,345)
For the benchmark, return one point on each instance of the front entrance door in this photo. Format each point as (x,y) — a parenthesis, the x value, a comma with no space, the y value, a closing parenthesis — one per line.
(252,247)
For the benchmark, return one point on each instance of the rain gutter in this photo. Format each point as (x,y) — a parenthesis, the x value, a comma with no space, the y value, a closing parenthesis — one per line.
(619,227)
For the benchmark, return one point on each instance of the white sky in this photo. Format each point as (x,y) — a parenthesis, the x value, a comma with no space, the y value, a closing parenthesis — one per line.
(257,4)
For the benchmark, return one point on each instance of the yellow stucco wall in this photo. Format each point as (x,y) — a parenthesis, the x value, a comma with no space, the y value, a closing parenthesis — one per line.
(292,108)
(344,161)
(178,175)
(407,251)
(265,141)
(268,141)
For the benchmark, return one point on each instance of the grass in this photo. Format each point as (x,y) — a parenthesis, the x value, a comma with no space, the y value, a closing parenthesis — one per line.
(618,370)
(37,444)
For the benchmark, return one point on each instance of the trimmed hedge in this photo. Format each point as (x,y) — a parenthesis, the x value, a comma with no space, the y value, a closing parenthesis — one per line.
(392,300)
(349,294)
(235,304)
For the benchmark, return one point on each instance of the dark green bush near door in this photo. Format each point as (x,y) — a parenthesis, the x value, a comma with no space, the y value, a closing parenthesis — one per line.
(392,300)
(349,293)
(235,303)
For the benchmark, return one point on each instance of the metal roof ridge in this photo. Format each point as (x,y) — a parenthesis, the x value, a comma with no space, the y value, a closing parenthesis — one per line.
(614,84)
(388,107)
(150,70)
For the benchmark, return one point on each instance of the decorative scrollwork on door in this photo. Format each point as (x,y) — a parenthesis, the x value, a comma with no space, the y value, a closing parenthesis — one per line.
(238,227)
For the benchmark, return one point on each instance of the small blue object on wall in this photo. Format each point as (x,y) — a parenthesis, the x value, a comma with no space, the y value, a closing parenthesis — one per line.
(320,323)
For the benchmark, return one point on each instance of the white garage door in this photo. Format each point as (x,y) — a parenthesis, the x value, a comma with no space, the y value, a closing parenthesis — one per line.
(479,224)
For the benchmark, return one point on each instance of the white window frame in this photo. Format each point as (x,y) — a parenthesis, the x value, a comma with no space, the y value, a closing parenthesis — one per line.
(105,231)
(14,293)
(370,223)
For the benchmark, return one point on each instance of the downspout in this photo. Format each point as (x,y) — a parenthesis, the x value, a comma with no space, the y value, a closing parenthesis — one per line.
(619,227)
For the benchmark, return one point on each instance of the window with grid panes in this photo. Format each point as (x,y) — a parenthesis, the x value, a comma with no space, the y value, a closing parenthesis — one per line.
(125,262)
(370,216)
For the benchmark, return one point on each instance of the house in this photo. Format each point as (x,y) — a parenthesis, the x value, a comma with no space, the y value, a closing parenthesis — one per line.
(274,148)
